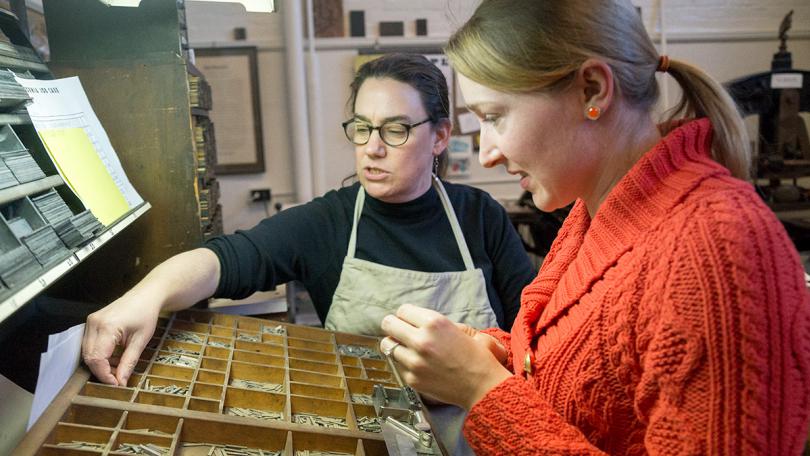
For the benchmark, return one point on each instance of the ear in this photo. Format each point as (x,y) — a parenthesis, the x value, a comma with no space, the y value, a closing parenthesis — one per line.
(594,83)
(443,129)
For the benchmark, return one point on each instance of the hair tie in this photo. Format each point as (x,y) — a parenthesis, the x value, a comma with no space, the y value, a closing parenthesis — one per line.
(663,64)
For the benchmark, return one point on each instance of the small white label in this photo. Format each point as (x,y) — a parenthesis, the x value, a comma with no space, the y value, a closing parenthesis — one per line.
(787,80)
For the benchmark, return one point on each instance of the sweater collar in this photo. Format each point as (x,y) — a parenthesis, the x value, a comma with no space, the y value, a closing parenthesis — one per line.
(658,182)
(641,200)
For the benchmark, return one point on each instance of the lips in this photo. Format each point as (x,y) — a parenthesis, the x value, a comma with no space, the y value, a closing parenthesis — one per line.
(375,174)
(524,183)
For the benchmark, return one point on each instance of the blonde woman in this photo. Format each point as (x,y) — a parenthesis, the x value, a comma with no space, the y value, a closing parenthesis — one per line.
(671,315)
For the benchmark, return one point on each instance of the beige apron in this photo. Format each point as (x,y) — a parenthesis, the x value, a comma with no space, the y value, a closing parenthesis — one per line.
(368,291)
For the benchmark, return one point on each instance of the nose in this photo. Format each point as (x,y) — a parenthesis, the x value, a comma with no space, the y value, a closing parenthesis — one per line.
(490,156)
(375,146)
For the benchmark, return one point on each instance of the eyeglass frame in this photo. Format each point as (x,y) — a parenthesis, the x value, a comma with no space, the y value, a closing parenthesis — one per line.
(408,128)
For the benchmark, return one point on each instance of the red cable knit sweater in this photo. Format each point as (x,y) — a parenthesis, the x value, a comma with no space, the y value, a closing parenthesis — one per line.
(676,322)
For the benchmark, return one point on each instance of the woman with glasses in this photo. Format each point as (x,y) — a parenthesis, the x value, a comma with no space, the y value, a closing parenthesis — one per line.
(671,315)
(455,249)
(398,235)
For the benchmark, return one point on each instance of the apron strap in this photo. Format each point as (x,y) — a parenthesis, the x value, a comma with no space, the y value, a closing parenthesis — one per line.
(358,209)
(448,209)
(451,214)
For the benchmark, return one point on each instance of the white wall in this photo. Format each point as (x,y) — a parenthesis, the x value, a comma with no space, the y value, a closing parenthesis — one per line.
(728,38)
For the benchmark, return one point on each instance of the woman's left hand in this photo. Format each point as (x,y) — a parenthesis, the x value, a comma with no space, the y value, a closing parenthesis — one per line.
(437,358)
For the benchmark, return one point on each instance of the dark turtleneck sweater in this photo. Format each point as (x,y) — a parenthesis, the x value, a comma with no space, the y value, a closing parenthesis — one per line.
(308,243)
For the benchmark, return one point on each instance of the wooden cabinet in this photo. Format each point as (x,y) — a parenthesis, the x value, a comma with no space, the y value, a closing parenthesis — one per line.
(45,230)
(132,63)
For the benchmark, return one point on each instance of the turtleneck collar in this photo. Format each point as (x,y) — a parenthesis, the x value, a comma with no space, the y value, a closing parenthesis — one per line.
(416,208)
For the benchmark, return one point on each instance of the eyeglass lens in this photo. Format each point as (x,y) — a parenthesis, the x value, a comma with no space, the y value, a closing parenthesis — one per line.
(392,133)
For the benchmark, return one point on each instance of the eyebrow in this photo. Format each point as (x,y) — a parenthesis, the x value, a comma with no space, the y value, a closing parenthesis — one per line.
(387,119)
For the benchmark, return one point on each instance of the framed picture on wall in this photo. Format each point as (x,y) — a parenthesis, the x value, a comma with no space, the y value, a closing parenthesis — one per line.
(233,76)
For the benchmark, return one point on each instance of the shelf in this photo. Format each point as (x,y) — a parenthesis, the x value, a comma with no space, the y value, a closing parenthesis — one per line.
(29,188)
(21,118)
(22,65)
(22,295)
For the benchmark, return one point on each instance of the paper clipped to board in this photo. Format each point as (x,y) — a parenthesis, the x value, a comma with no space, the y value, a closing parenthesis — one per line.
(79,147)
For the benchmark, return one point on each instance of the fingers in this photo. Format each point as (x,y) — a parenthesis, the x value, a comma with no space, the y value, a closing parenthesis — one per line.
(96,350)
(418,316)
(412,323)
(386,344)
(129,358)
(468,330)
(398,352)
(398,330)
(493,346)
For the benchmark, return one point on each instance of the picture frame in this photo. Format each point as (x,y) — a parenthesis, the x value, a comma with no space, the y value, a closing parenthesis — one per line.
(233,75)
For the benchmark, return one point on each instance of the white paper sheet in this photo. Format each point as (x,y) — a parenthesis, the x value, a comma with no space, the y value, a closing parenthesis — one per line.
(55,368)
(131,3)
(251,6)
(62,104)
(16,402)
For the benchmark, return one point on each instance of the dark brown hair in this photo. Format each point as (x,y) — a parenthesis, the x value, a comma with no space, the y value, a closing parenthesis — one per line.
(418,72)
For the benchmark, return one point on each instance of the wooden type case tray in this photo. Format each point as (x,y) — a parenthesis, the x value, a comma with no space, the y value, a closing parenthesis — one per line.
(192,403)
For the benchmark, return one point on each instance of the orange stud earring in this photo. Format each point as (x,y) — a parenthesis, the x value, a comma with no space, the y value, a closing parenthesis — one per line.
(592,112)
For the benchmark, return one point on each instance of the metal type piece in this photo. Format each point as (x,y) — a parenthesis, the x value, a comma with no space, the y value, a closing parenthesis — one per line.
(81,445)
(151,431)
(361,351)
(182,350)
(320,453)
(249,337)
(166,389)
(366,399)
(185,336)
(232,450)
(369,423)
(278,329)
(149,449)
(260,386)
(312,419)
(254,413)
(178,360)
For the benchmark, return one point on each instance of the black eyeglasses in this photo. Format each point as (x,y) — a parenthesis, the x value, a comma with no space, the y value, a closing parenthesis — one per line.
(392,133)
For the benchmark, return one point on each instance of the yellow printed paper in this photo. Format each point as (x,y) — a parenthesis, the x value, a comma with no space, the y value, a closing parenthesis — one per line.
(84,171)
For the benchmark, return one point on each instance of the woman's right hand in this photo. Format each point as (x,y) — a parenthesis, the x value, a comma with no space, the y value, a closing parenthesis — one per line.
(129,322)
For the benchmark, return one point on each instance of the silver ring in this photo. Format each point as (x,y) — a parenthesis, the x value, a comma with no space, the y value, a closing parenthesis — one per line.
(390,350)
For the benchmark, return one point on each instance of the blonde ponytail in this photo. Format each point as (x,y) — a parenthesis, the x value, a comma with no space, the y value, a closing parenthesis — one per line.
(704,97)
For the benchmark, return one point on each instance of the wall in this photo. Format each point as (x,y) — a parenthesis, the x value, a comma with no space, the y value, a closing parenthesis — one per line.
(211,25)
(728,38)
